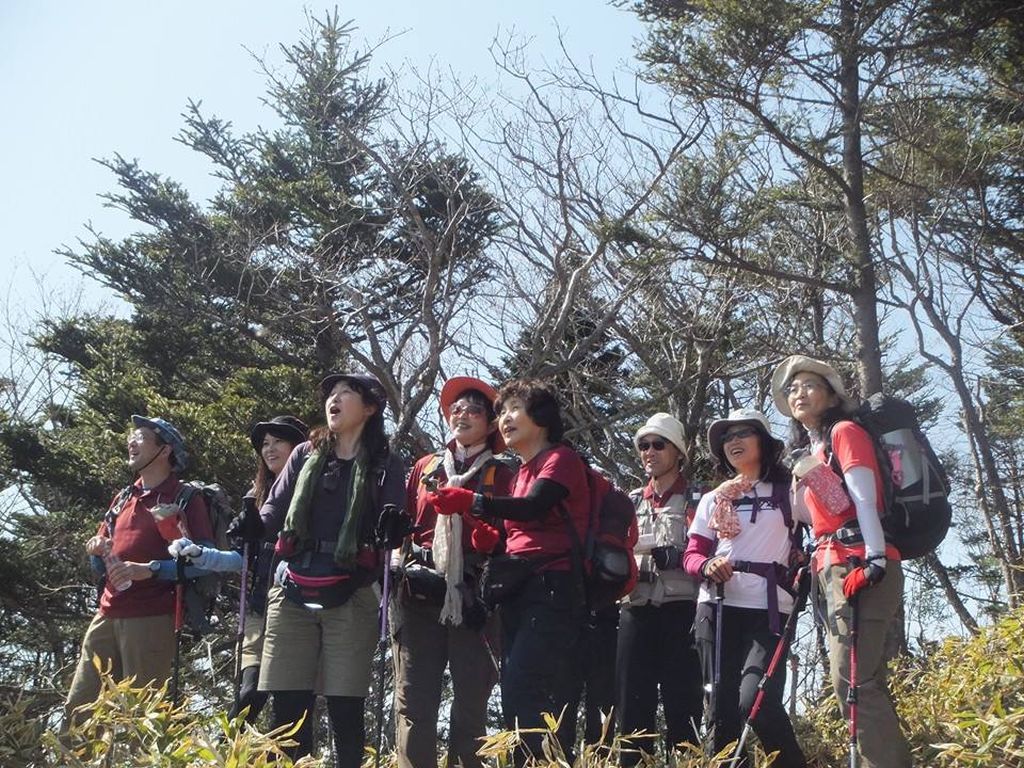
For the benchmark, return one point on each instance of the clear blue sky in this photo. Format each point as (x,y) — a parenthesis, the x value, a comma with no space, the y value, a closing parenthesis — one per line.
(81,80)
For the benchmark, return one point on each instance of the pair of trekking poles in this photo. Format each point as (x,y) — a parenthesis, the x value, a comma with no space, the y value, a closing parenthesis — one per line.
(803,581)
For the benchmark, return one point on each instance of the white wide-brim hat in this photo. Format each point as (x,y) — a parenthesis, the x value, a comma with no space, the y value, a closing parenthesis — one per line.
(738,416)
(795,364)
(663,425)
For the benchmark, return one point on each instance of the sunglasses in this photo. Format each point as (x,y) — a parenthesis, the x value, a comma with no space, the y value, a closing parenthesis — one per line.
(470,409)
(738,434)
(658,445)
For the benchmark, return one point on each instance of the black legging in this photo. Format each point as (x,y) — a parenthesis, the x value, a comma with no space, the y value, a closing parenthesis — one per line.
(346,715)
(747,648)
(249,695)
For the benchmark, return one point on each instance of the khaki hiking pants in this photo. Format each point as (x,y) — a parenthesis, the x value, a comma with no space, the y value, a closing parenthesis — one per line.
(142,648)
(421,649)
(879,737)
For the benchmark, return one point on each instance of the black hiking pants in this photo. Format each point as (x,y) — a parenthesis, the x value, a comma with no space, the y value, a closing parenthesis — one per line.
(540,626)
(656,660)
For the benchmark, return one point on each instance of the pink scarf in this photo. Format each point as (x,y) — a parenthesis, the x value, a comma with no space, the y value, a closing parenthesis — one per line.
(723,515)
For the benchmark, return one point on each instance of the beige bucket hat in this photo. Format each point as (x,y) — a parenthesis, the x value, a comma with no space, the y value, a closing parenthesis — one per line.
(795,364)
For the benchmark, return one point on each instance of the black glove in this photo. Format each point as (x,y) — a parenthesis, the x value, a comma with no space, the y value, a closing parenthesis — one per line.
(247,525)
(666,558)
(393,525)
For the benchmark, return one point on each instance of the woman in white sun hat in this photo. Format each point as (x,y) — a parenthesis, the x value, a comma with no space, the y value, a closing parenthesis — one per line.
(852,562)
(742,538)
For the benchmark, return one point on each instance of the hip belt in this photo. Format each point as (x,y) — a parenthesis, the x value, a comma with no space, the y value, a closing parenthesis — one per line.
(777,575)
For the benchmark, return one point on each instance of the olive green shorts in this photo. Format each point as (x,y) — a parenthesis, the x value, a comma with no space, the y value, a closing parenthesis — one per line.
(333,647)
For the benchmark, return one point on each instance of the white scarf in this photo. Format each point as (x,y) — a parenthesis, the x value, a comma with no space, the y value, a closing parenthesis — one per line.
(447,546)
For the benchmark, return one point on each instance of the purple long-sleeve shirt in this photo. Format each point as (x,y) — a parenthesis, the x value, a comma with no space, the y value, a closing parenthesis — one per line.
(330,499)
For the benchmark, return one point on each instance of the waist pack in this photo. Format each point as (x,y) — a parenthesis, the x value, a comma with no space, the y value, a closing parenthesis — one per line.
(424,584)
(503,577)
(915,488)
(317,582)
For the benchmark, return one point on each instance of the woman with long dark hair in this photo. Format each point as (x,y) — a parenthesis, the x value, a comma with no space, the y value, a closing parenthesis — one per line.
(853,563)
(321,627)
(741,539)
(542,605)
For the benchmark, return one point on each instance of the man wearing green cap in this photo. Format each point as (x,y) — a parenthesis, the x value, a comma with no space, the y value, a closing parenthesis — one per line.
(133,630)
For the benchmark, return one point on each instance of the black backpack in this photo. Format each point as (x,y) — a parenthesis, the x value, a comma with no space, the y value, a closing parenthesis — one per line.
(201,592)
(915,488)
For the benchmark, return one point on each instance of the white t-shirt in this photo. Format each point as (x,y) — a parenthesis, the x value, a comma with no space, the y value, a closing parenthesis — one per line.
(763,541)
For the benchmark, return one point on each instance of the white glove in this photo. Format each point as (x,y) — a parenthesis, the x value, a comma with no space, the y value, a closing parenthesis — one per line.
(184,548)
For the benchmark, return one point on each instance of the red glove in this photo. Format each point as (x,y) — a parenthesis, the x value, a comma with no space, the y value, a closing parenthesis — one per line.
(483,538)
(859,578)
(451,501)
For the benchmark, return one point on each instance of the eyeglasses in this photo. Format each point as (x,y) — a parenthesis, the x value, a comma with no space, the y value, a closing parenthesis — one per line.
(738,434)
(658,445)
(809,387)
(470,409)
(140,437)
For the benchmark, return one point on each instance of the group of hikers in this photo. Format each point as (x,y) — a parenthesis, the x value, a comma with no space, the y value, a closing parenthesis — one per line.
(477,554)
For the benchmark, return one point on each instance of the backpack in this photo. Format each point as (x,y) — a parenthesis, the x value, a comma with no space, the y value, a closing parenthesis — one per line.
(915,488)
(201,592)
(606,553)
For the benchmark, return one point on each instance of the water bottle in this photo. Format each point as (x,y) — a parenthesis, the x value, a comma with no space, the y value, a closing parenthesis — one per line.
(819,478)
(110,560)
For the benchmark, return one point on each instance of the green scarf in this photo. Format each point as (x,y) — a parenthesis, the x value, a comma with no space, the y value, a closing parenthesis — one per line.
(297,522)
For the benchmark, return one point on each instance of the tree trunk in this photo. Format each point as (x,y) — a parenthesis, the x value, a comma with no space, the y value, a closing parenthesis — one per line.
(949,590)
(865,308)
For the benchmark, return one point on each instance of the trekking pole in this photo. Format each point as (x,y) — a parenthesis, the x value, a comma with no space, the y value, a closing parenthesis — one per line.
(179,625)
(780,648)
(716,672)
(384,602)
(240,639)
(851,696)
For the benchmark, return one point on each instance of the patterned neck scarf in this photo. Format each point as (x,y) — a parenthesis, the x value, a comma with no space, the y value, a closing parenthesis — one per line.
(723,514)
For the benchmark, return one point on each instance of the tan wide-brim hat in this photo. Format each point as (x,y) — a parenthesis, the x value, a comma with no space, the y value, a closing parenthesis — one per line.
(795,364)
(455,386)
(663,425)
(738,416)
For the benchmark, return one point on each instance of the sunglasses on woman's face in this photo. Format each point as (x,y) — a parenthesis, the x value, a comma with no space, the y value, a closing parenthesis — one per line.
(646,445)
(469,409)
(738,434)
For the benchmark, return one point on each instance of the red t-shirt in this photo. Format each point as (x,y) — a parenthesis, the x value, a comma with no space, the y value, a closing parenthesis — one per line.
(550,535)
(852,447)
(424,516)
(137,540)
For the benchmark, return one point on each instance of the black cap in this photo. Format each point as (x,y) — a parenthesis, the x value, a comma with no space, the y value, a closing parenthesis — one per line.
(365,382)
(287,428)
